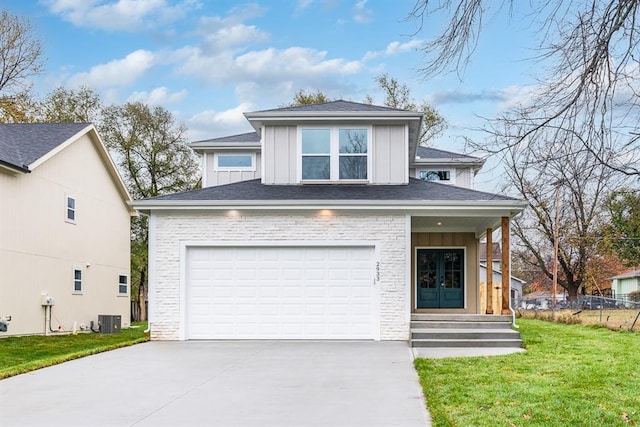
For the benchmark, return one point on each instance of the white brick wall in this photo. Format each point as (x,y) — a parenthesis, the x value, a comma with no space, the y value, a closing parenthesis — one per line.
(387,231)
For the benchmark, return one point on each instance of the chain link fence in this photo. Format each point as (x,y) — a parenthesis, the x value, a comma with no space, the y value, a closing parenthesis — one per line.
(621,312)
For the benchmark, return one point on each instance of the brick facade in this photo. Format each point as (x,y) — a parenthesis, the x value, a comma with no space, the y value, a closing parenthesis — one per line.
(387,232)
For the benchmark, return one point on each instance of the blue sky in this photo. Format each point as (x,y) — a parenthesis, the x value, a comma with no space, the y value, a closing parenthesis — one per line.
(209,61)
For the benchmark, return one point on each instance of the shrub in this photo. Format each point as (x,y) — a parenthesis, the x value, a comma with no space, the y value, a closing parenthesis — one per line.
(634,296)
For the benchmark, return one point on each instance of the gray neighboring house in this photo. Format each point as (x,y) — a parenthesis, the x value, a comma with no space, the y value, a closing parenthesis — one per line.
(623,284)
(312,227)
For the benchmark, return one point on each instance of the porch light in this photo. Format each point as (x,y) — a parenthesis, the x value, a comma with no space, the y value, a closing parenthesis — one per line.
(325,212)
(233,213)
(439,223)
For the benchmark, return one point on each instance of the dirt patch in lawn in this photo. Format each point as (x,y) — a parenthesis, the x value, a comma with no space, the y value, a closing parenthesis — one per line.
(614,319)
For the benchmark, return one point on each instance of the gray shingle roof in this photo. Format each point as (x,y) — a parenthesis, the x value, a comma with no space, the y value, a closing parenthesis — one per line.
(434,153)
(253,190)
(23,143)
(243,137)
(630,274)
(337,106)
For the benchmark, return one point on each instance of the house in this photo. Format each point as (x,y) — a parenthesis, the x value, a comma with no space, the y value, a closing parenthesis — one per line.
(312,227)
(623,284)
(515,284)
(64,229)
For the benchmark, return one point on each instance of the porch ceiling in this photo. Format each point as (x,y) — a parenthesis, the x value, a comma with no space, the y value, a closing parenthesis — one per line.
(454,224)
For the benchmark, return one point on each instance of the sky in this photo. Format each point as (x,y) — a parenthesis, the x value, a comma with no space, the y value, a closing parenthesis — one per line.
(207,62)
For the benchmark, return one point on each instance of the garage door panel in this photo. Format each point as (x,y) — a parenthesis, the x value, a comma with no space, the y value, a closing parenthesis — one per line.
(280,293)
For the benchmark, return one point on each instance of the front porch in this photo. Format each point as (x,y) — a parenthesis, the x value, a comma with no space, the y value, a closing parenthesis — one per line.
(445,265)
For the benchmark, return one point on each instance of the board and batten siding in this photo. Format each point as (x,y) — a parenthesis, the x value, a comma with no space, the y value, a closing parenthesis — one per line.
(220,177)
(39,249)
(389,154)
(280,151)
(390,145)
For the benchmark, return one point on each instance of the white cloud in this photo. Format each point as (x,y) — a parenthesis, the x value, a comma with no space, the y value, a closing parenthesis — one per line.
(302,5)
(361,14)
(394,48)
(211,124)
(125,15)
(158,96)
(265,65)
(117,73)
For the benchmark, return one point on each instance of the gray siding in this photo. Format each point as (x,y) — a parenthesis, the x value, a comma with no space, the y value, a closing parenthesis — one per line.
(389,155)
(280,147)
(215,177)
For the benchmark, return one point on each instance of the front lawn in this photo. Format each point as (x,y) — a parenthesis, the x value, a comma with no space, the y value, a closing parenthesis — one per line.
(23,354)
(570,375)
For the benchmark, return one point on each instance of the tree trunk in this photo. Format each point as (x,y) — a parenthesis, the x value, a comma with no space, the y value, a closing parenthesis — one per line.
(142,295)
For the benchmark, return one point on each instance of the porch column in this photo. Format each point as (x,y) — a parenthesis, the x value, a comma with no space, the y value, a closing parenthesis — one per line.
(506,266)
(489,261)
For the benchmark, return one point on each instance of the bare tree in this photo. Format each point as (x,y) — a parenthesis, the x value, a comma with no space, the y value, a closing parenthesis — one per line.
(398,95)
(544,171)
(588,56)
(20,53)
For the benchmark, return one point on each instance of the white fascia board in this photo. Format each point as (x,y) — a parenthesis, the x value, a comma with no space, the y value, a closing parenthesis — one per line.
(458,208)
(454,161)
(200,148)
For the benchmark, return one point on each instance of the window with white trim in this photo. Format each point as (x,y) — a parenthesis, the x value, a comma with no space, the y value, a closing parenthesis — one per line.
(334,154)
(123,284)
(77,281)
(234,162)
(442,175)
(70,209)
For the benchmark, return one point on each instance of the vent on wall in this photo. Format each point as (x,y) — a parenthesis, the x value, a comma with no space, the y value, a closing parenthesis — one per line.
(109,324)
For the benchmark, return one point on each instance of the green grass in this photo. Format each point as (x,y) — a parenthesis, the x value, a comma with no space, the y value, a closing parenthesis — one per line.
(23,354)
(570,375)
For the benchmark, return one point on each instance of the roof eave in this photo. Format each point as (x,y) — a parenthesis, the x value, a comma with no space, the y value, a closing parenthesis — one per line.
(199,147)
(513,206)
(13,169)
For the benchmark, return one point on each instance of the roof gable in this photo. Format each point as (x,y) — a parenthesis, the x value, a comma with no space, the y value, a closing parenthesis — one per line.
(435,153)
(23,144)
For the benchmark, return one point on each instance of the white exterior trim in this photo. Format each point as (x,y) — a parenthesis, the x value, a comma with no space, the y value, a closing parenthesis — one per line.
(251,168)
(151,274)
(408,272)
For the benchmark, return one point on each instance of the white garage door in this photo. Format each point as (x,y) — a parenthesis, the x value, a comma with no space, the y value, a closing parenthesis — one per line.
(280,293)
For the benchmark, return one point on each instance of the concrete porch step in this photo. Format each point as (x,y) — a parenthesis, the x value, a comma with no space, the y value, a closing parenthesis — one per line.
(460,325)
(463,334)
(462,343)
(460,317)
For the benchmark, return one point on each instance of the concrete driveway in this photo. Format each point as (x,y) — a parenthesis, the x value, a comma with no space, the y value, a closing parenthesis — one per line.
(214,383)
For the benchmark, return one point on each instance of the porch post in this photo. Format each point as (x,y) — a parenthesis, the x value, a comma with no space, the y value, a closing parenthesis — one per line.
(489,261)
(506,266)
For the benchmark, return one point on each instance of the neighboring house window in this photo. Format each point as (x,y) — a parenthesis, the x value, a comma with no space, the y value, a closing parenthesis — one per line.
(234,162)
(435,175)
(71,209)
(332,154)
(77,281)
(123,284)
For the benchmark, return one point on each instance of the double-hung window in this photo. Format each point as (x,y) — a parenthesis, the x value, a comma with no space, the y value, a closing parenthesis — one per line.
(123,284)
(77,281)
(334,154)
(70,211)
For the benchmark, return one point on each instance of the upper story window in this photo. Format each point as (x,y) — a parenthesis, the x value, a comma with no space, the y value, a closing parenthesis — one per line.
(444,176)
(234,162)
(123,284)
(70,215)
(77,281)
(333,154)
